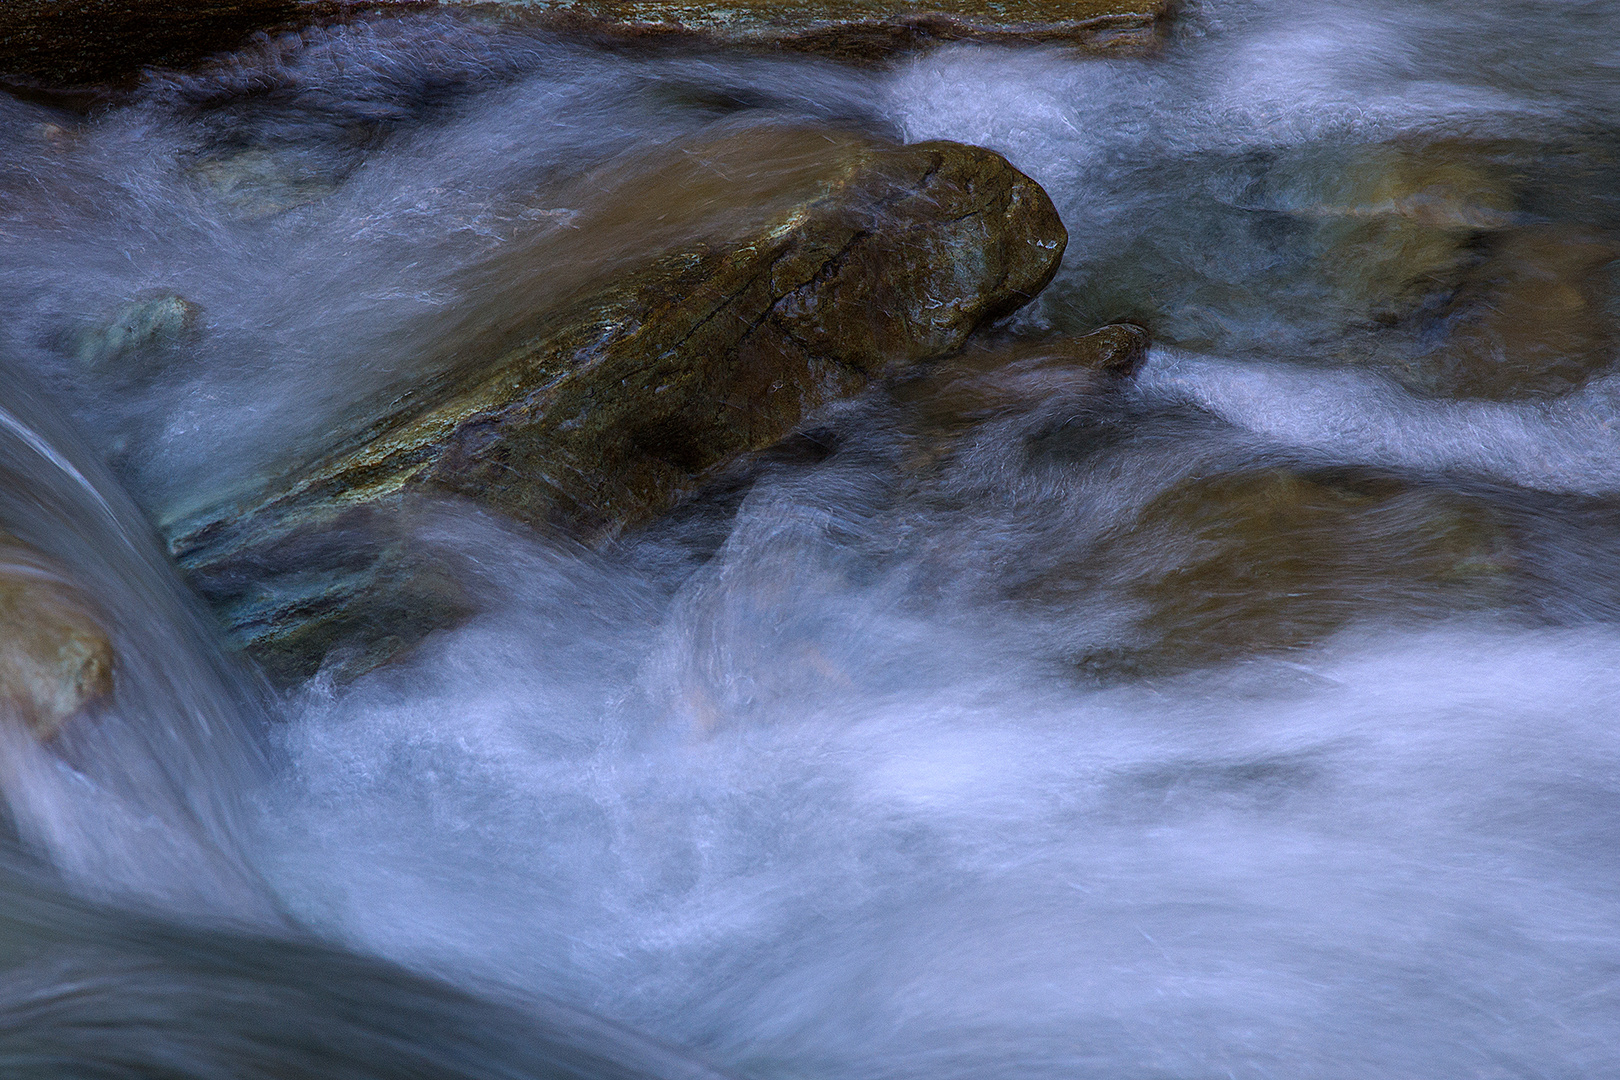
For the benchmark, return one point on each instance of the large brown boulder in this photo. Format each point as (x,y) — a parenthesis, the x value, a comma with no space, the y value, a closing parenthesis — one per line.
(777,289)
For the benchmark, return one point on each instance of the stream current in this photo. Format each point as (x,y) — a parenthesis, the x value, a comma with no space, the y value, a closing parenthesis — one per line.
(1253,717)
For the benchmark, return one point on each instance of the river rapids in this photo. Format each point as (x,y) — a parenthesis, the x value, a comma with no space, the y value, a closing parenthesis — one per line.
(1256,717)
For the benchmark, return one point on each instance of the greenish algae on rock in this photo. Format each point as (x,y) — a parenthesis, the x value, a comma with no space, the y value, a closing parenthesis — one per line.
(627,392)
(55,655)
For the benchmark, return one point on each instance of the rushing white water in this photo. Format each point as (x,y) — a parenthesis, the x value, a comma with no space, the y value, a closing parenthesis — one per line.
(1395,858)
(144,802)
(876,771)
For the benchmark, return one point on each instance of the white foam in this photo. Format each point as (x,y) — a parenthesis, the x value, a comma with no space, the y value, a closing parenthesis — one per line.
(1393,857)
(1568,444)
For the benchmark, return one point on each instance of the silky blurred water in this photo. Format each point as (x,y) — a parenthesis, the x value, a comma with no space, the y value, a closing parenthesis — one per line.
(1251,716)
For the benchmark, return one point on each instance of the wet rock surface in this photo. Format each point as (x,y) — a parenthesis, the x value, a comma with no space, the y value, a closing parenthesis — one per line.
(1008,381)
(870,30)
(928,416)
(1143,541)
(1538,316)
(55,654)
(1458,267)
(1161,532)
(79,43)
(1442,241)
(1202,557)
(1394,225)
(599,415)
(1156,531)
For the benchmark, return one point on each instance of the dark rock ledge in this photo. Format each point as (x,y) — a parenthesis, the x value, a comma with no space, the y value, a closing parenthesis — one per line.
(863,31)
(56,44)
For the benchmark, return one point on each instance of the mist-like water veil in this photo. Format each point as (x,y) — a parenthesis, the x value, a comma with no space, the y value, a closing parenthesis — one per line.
(1250,715)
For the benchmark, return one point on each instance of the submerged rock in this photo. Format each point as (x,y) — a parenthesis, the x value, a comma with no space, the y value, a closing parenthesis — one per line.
(1292,250)
(1433,238)
(1435,261)
(138,327)
(257,182)
(866,30)
(1278,558)
(1393,225)
(1534,318)
(854,258)
(55,656)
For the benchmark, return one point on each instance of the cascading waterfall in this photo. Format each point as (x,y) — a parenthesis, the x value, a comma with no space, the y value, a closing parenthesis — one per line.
(1251,714)
(145,803)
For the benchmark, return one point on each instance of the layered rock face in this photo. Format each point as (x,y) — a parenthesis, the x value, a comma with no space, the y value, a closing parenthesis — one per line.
(868,30)
(861,258)
(57,43)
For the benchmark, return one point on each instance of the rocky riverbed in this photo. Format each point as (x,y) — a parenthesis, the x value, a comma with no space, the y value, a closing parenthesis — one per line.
(808,539)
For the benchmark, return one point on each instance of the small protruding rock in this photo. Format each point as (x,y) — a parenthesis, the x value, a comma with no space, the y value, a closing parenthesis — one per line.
(55,655)
(987,380)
